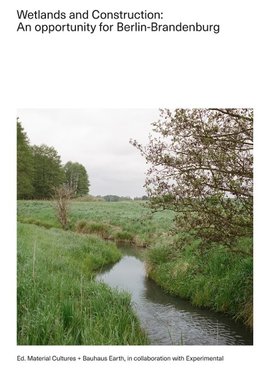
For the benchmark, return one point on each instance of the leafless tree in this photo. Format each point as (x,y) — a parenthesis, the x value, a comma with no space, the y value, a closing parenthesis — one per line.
(62,196)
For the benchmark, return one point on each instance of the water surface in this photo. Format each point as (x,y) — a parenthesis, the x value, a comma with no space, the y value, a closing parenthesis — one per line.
(166,319)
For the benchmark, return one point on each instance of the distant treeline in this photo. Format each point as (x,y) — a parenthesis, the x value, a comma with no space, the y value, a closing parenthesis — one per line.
(40,171)
(114,198)
(110,198)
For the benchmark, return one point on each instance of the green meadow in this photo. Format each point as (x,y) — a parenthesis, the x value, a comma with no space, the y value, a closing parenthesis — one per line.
(60,303)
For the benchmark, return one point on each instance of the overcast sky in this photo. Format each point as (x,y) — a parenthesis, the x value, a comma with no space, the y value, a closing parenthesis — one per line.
(98,139)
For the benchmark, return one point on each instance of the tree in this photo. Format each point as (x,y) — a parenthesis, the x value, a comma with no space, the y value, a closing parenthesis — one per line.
(76,178)
(24,164)
(48,172)
(62,196)
(202,168)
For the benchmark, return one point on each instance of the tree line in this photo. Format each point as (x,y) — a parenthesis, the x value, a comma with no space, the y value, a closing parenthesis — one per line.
(115,198)
(40,170)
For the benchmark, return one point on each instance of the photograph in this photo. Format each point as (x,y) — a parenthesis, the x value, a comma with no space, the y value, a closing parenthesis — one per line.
(134,226)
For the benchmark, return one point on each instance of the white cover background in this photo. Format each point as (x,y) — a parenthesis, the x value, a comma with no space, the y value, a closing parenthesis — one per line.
(127,70)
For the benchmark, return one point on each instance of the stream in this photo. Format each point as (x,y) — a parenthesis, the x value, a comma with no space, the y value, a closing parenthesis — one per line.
(170,320)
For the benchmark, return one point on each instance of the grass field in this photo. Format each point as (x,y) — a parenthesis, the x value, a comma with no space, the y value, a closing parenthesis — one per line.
(217,279)
(131,221)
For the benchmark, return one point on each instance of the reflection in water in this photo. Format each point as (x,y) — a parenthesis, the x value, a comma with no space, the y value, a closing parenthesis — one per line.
(166,319)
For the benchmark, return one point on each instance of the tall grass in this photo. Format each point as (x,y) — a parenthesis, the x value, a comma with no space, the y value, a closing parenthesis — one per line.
(217,279)
(58,303)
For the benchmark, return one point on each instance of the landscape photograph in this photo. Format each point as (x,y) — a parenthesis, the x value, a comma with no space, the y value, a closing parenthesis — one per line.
(135,226)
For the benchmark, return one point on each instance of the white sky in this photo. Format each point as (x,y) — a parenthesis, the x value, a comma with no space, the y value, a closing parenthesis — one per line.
(98,139)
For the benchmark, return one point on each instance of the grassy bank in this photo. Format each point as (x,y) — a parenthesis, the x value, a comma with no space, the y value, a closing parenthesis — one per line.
(58,301)
(218,279)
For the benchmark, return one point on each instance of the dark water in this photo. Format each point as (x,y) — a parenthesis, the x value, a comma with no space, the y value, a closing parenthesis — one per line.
(170,320)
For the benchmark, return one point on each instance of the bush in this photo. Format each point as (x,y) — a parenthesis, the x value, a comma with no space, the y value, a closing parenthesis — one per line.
(123,236)
(89,227)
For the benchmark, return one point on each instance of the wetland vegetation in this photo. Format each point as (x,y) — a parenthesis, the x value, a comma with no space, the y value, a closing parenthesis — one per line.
(193,230)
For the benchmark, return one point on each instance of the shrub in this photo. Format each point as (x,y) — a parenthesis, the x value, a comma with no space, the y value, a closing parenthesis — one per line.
(123,236)
(90,227)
